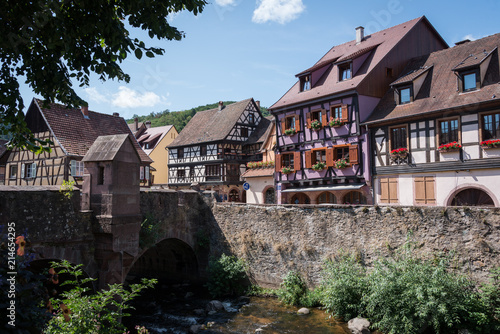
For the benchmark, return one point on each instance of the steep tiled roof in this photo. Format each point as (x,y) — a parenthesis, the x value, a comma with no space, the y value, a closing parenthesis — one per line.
(379,43)
(259,135)
(412,75)
(210,125)
(76,134)
(473,59)
(155,135)
(439,90)
(105,148)
(259,172)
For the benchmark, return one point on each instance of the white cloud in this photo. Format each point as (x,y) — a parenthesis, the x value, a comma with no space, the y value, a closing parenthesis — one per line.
(129,98)
(470,37)
(94,95)
(224,3)
(281,11)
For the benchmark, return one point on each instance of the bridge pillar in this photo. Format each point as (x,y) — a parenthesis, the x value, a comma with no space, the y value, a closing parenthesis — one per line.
(111,192)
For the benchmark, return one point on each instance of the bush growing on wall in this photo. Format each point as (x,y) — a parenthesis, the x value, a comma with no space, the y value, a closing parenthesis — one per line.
(293,291)
(226,276)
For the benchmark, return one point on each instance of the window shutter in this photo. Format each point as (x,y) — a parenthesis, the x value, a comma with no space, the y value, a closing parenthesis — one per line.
(384,190)
(345,116)
(147,172)
(277,162)
(308,120)
(353,154)
(324,119)
(393,189)
(308,157)
(141,173)
(297,123)
(330,161)
(34,169)
(283,125)
(73,167)
(419,190)
(23,167)
(296,160)
(430,197)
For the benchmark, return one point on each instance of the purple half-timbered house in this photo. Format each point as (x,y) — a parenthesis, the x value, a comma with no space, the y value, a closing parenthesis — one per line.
(322,150)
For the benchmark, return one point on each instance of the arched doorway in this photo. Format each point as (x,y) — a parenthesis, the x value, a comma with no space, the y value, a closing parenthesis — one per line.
(234,196)
(327,198)
(354,197)
(270,196)
(170,260)
(472,197)
(300,198)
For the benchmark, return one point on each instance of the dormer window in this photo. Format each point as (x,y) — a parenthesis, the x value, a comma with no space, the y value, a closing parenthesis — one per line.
(404,94)
(345,71)
(305,83)
(470,81)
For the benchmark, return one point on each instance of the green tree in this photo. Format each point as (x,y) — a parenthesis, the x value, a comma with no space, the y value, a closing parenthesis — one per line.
(54,43)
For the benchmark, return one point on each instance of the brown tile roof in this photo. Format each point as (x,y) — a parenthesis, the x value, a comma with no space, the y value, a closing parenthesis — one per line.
(473,60)
(76,134)
(317,66)
(357,53)
(259,135)
(210,125)
(412,75)
(380,42)
(439,90)
(259,172)
(105,148)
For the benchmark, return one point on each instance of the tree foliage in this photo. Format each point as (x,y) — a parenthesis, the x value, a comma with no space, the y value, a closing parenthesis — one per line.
(55,43)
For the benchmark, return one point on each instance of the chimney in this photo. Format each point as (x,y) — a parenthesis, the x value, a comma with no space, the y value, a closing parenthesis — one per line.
(116,114)
(148,124)
(463,42)
(360,34)
(85,111)
(221,105)
(136,122)
(258,104)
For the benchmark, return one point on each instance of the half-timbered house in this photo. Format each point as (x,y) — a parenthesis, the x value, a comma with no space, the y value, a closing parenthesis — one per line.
(72,131)
(322,148)
(436,133)
(213,148)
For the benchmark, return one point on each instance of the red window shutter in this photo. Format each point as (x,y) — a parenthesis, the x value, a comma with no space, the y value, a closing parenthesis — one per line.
(330,161)
(297,123)
(345,116)
(308,157)
(384,190)
(296,160)
(277,162)
(283,125)
(353,154)
(308,120)
(324,119)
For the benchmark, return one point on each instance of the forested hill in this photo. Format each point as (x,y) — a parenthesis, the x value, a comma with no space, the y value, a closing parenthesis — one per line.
(180,118)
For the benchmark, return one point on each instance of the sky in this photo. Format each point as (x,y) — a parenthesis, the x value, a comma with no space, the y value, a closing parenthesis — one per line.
(237,49)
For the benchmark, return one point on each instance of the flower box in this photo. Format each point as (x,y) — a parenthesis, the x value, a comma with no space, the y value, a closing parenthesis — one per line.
(335,122)
(316,125)
(341,163)
(319,166)
(399,152)
(490,143)
(286,170)
(260,164)
(449,147)
(290,132)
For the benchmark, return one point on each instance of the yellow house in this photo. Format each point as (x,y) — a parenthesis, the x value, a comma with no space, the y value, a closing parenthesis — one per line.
(154,142)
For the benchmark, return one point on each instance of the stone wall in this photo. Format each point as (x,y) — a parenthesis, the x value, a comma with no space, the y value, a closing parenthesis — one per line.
(276,239)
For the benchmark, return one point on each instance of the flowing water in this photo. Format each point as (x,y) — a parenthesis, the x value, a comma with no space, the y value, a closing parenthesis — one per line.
(176,309)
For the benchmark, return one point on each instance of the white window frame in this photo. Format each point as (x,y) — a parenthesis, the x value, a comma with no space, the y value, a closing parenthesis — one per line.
(77,168)
(28,170)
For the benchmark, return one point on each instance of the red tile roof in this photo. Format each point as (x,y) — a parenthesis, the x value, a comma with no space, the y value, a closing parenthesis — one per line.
(439,91)
(76,134)
(380,42)
(412,75)
(259,172)
(473,59)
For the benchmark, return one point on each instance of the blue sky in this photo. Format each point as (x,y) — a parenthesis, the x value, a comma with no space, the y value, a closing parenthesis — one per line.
(239,49)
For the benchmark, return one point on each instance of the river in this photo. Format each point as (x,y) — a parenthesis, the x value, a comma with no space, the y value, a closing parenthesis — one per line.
(175,309)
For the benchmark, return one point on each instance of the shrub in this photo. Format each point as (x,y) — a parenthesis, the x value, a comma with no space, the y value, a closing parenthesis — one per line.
(490,296)
(292,289)
(343,286)
(226,276)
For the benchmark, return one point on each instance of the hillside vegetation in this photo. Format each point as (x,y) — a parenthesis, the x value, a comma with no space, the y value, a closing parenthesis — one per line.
(180,118)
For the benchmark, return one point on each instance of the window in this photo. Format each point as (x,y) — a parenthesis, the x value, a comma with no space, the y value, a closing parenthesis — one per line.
(290,122)
(388,72)
(29,171)
(191,172)
(181,174)
(490,126)
(345,71)
(339,112)
(141,173)
(212,170)
(13,172)
(251,118)
(469,80)
(305,83)
(405,96)
(342,152)
(354,197)
(244,132)
(203,150)
(316,115)
(180,153)
(389,190)
(327,197)
(146,172)
(76,168)
(100,177)
(287,160)
(398,138)
(424,190)
(146,146)
(269,197)
(448,131)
